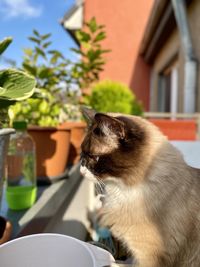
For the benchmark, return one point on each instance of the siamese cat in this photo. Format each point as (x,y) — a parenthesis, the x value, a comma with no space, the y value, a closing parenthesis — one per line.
(152,197)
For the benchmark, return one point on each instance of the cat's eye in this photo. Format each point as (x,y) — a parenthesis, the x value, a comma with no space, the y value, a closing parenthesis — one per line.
(97,131)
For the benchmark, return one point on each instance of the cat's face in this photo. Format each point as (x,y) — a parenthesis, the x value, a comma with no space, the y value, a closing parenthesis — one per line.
(111,147)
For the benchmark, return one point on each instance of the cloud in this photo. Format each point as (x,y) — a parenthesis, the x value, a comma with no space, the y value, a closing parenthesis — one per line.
(19,8)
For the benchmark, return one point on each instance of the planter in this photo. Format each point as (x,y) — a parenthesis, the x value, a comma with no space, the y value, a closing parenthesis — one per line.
(4,142)
(52,150)
(77,135)
(177,129)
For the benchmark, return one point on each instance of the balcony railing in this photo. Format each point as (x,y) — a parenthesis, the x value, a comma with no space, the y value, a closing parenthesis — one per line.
(176,117)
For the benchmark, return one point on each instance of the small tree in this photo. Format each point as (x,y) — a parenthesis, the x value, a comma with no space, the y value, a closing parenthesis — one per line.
(86,71)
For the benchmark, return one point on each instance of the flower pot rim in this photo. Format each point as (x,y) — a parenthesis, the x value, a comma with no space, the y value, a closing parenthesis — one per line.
(49,128)
(74,124)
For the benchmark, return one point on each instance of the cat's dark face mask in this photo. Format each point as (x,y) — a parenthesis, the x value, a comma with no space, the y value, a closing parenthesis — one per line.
(107,143)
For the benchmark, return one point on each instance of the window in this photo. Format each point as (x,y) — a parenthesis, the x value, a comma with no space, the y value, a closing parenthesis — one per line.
(168,90)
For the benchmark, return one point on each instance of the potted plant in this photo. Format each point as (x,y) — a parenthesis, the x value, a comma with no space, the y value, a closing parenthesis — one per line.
(43,111)
(15,86)
(56,101)
(84,73)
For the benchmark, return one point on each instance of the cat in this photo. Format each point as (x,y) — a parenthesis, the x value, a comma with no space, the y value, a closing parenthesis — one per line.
(152,199)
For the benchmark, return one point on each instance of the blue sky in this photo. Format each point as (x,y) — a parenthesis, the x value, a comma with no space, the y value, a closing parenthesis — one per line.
(19,17)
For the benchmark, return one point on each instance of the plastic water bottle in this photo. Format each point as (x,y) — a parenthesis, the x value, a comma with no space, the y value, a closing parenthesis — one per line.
(21,169)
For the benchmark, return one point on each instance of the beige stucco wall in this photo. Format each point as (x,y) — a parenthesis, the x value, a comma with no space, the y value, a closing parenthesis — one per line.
(173,49)
(194,23)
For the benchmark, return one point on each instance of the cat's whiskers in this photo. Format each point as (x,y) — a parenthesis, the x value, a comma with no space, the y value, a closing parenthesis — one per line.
(101,185)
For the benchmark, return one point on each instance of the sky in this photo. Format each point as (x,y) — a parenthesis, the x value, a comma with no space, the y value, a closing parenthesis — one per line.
(19,17)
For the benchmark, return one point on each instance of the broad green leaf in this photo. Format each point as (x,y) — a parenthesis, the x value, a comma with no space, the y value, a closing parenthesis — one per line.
(4,44)
(16,85)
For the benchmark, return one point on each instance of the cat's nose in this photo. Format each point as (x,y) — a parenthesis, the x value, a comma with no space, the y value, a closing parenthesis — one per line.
(83,160)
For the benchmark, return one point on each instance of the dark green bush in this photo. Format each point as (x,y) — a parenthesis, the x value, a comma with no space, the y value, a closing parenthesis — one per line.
(112,96)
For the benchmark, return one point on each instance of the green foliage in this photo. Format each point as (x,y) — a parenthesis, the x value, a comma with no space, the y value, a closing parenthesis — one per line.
(53,100)
(4,44)
(112,96)
(86,71)
(49,67)
(15,85)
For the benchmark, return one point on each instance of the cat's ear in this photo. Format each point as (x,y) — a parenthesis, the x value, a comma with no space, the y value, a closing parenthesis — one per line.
(110,124)
(88,114)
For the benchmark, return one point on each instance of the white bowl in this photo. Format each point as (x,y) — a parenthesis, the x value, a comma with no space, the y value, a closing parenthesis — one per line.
(52,250)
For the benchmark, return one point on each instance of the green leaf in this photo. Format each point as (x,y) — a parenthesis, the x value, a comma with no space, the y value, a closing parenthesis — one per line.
(40,52)
(4,44)
(33,39)
(55,52)
(36,33)
(83,36)
(106,51)
(45,36)
(30,69)
(35,58)
(78,51)
(54,59)
(100,36)
(92,24)
(92,54)
(28,51)
(45,72)
(16,85)
(45,45)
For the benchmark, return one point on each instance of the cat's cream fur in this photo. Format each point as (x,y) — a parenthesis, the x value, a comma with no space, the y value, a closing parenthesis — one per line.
(155,210)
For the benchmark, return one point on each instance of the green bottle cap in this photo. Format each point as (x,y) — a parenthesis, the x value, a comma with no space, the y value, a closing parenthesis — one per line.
(19,125)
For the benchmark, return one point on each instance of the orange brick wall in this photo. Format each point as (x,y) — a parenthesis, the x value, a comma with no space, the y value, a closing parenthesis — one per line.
(125,22)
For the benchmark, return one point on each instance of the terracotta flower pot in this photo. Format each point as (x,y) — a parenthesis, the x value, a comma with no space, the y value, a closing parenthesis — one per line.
(52,150)
(77,135)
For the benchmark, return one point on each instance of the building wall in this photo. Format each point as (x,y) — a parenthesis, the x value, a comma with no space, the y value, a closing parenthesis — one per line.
(125,23)
(194,24)
(173,48)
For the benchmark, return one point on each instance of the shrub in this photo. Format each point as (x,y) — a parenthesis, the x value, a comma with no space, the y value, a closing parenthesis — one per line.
(112,96)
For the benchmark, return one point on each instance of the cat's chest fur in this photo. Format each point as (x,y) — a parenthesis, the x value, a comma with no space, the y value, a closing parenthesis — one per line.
(124,205)
(126,213)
